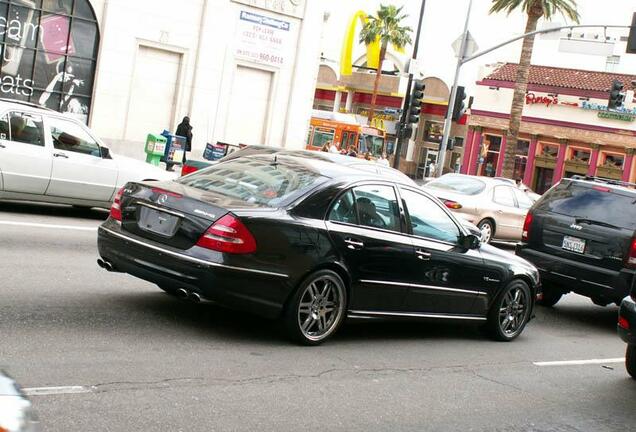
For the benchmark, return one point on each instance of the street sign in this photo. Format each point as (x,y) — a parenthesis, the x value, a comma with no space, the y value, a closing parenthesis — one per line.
(471,46)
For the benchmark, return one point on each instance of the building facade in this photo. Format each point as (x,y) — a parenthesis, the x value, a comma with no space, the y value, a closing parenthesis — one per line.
(243,70)
(566,127)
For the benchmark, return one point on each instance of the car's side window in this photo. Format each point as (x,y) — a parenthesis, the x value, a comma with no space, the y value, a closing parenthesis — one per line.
(4,127)
(377,207)
(503,195)
(70,136)
(523,199)
(344,210)
(428,219)
(26,128)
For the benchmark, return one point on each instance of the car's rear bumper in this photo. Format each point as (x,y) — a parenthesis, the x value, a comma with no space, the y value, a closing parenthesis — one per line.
(584,279)
(256,291)
(628,313)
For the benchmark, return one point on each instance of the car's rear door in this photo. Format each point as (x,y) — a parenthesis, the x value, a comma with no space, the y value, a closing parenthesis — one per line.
(79,171)
(446,277)
(508,217)
(365,227)
(25,159)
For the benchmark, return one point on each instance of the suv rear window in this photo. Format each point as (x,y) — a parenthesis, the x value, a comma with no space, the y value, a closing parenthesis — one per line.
(265,181)
(595,202)
(459,184)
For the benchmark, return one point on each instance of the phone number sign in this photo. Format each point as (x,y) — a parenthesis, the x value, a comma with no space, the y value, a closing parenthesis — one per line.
(263,39)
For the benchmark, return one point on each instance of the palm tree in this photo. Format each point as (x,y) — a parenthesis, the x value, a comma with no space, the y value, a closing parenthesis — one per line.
(535,9)
(387,29)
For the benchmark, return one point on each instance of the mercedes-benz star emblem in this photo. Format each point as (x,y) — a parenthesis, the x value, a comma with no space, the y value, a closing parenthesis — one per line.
(163,198)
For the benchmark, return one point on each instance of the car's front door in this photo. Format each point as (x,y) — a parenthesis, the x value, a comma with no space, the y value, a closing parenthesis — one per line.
(25,160)
(79,171)
(365,226)
(447,278)
(507,215)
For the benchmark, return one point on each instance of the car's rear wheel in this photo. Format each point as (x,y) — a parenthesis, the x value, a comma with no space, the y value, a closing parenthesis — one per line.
(487,228)
(551,296)
(317,308)
(630,360)
(510,312)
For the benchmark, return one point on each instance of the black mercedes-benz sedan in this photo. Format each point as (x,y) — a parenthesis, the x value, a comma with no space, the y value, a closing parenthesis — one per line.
(313,242)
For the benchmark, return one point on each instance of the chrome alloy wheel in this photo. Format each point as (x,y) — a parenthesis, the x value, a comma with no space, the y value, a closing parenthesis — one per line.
(320,308)
(513,311)
(486,231)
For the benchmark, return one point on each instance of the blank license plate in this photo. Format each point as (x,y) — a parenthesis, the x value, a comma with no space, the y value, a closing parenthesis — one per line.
(157,222)
(573,244)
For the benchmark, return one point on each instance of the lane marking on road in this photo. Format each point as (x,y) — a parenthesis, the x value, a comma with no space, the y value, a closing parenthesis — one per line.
(580,362)
(49,226)
(48,391)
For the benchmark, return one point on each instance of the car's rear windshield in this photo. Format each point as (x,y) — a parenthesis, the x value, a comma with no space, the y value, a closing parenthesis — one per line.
(459,184)
(594,202)
(263,181)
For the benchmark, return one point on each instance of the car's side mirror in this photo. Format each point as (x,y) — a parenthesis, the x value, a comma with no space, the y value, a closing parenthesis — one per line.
(105,153)
(470,241)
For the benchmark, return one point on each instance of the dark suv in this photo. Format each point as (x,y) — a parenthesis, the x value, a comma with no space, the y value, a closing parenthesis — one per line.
(581,237)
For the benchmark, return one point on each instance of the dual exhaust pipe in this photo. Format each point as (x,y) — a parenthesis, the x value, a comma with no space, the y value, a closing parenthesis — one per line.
(181,293)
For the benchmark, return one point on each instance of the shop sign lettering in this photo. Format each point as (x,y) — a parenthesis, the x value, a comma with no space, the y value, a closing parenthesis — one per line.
(263,39)
(532,99)
(598,107)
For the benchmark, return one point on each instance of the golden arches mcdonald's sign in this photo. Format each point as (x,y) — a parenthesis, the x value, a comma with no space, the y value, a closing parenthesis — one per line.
(373,50)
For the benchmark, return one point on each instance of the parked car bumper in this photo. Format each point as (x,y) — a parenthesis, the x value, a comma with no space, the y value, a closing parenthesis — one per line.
(628,313)
(260,292)
(584,279)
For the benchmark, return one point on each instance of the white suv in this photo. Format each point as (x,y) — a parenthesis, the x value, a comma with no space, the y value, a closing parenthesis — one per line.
(50,157)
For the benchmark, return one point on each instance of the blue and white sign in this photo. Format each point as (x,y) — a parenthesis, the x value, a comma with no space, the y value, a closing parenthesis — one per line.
(263,39)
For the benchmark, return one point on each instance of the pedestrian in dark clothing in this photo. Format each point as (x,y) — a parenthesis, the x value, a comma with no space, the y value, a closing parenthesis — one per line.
(185,130)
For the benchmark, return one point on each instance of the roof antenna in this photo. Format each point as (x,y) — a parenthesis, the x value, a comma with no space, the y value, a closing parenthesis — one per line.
(275,163)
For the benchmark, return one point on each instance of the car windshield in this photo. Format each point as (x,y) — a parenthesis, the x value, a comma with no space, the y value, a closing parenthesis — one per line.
(594,203)
(263,181)
(460,184)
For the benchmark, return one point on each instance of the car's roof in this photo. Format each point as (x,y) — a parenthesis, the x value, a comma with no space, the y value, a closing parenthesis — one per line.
(488,180)
(328,168)
(613,184)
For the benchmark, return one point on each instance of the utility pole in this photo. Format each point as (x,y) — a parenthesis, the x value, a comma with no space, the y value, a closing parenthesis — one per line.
(451,103)
(405,107)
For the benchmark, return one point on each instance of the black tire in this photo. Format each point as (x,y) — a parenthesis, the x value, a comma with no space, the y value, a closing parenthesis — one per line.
(320,302)
(487,228)
(551,296)
(630,360)
(510,312)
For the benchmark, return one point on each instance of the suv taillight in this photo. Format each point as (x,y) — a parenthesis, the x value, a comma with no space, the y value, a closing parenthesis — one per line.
(228,235)
(188,169)
(115,209)
(630,260)
(525,234)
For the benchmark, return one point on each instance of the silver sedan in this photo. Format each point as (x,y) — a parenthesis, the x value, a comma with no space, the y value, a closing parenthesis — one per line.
(497,206)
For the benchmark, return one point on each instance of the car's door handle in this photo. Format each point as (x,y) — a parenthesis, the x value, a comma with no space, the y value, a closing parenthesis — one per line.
(423,255)
(60,155)
(3,146)
(500,211)
(353,244)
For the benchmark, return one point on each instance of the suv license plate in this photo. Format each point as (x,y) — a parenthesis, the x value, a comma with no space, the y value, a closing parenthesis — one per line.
(573,244)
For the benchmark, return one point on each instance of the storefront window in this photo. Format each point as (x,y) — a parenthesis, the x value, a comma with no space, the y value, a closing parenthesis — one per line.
(521,159)
(549,150)
(580,155)
(613,160)
(49,48)
(433,131)
(489,152)
(322,136)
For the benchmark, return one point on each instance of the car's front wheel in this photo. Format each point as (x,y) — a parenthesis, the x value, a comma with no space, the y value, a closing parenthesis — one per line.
(317,308)
(510,312)
(630,360)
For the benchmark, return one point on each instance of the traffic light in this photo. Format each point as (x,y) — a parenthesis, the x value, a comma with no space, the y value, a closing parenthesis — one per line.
(415,103)
(631,40)
(616,96)
(459,108)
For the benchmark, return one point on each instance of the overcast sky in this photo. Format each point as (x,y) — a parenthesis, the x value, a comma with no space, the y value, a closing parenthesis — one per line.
(444,20)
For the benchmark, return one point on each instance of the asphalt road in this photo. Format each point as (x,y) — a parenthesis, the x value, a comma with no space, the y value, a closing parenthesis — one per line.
(106,352)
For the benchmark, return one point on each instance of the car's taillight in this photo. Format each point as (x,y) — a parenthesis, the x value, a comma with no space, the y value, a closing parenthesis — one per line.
(115,209)
(454,205)
(525,234)
(228,235)
(623,323)
(188,169)
(630,260)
